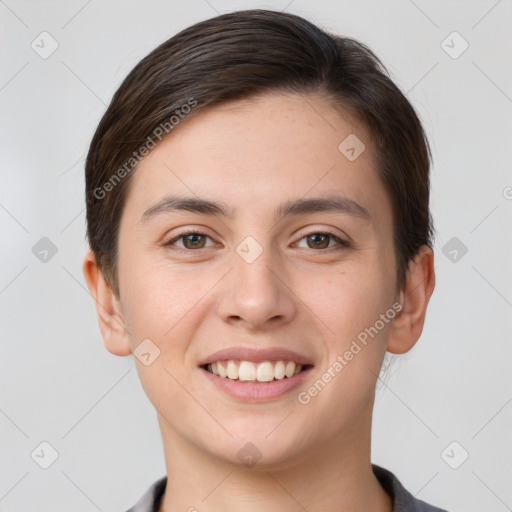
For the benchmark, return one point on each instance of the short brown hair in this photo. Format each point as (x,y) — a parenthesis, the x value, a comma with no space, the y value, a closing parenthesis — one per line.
(239,55)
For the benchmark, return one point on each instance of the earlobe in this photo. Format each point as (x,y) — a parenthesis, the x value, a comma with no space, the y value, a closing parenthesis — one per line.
(108,308)
(408,323)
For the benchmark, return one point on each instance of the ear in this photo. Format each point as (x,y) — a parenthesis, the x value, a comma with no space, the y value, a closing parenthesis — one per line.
(108,308)
(407,325)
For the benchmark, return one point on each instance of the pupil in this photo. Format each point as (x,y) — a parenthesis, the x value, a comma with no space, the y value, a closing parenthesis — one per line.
(318,241)
(193,238)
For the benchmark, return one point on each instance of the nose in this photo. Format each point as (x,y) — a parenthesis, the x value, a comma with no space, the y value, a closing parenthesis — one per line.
(257,294)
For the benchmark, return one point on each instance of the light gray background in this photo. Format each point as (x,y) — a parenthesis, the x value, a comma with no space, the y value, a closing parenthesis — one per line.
(58,382)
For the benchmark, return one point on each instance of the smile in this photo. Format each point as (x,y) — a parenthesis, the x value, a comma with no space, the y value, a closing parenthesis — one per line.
(248,371)
(251,374)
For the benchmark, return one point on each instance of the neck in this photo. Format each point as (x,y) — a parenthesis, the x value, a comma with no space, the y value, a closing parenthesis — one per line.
(337,475)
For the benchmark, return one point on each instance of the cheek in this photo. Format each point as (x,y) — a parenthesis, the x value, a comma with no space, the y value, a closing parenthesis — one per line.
(163,306)
(351,299)
(350,307)
(167,305)
(154,299)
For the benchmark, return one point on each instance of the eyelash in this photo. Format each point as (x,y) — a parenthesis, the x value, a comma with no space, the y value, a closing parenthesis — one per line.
(343,244)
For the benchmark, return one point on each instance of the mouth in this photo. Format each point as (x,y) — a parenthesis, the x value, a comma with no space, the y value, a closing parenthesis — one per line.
(260,372)
(256,375)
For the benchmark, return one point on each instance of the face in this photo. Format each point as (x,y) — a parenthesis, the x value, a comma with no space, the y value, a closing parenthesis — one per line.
(291,262)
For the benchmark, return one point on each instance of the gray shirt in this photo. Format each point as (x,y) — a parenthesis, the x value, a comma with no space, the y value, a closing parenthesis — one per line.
(403,500)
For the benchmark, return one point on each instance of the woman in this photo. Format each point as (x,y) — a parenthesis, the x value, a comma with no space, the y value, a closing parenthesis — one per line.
(260,235)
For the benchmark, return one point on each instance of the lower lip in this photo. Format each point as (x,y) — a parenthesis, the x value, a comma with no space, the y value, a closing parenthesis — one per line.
(257,391)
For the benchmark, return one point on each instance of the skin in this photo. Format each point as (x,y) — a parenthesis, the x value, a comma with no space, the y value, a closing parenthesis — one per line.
(254,155)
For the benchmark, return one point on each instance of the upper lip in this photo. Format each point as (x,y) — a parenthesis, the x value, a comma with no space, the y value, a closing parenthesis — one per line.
(255,355)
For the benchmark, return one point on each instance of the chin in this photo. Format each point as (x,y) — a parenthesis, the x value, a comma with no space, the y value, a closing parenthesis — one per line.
(259,447)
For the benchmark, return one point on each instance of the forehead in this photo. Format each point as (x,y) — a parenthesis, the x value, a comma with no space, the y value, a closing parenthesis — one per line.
(253,153)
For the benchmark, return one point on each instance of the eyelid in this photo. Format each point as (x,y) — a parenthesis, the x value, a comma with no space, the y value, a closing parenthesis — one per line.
(342,242)
(333,232)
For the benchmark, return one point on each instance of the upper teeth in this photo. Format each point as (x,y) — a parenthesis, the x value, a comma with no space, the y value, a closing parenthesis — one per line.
(249,371)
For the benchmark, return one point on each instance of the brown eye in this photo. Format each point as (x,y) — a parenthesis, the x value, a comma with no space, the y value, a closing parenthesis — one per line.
(195,240)
(191,240)
(323,241)
(319,240)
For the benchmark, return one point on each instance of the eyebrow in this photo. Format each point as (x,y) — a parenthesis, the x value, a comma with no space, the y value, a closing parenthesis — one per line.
(330,203)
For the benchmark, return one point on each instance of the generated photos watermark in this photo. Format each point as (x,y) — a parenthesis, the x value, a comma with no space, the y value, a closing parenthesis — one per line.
(342,360)
(158,133)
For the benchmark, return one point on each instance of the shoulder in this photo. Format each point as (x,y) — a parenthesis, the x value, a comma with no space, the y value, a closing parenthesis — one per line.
(403,500)
(150,500)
